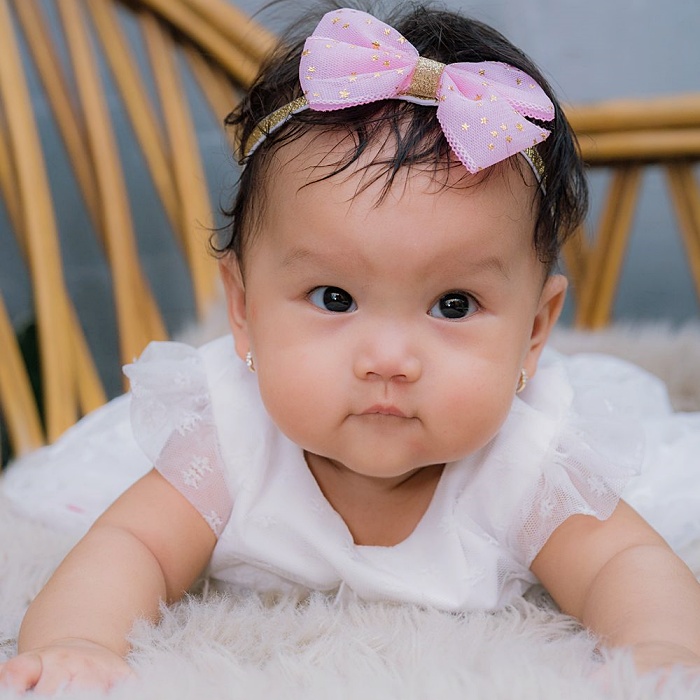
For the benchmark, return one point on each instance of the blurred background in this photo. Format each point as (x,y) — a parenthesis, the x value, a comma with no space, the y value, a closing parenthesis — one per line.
(591,50)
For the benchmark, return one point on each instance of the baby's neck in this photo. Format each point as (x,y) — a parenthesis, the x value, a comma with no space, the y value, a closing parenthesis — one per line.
(377,511)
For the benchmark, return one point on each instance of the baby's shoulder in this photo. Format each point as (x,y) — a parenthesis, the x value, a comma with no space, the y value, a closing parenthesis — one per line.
(177,388)
(167,370)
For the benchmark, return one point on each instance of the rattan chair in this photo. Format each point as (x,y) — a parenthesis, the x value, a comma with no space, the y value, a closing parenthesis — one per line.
(627,137)
(73,46)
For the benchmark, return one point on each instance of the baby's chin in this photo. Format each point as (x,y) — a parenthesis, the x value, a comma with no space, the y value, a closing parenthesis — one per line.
(371,468)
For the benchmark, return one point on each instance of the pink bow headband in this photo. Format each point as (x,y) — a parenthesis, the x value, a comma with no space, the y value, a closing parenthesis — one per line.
(352,58)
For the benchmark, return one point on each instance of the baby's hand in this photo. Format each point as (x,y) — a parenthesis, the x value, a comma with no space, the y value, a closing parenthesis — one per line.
(75,663)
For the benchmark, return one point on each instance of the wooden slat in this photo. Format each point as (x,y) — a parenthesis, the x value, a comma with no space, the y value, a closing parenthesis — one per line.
(16,397)
(224,47)
(8,183)
(89,386)
(629,134)
(195,208)
(146,127)
(239,28)
(137,315)
(216,87)
(40,234)
(241,66)
(669,112)
(42,49)
(640,146)
(90,391)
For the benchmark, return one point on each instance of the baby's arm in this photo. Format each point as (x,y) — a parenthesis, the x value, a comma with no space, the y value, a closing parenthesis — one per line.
(150,545)
(623,581)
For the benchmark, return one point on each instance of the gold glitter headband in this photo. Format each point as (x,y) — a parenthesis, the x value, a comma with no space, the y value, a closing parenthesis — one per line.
(281,116)
(271,123)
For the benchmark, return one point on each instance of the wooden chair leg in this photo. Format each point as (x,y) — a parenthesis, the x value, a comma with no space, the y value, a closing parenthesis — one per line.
(575,253)
(602,273)
(686,200)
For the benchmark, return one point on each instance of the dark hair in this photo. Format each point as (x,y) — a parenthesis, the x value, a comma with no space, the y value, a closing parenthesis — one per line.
(418,139)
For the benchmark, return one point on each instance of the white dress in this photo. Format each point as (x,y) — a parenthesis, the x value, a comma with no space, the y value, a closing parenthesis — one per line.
(574,440)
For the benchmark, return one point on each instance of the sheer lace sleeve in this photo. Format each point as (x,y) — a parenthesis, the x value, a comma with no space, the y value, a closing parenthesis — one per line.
(173,422)
(569,446)
(596,448)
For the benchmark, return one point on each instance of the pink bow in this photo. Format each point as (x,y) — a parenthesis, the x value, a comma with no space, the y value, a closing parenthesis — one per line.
(352,58)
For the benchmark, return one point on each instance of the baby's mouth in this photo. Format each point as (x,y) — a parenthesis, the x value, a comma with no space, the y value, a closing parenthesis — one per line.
(384,410)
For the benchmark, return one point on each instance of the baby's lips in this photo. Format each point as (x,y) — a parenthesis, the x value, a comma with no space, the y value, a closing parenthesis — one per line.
(384,410)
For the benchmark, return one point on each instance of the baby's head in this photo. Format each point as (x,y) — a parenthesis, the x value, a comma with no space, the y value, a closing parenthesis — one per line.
(393,286)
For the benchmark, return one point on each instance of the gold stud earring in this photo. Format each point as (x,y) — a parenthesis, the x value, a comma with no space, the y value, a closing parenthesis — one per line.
(249,361)
(522,382)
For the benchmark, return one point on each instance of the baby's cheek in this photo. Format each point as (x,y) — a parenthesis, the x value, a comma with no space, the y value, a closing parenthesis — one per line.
(471,419)
(292,405)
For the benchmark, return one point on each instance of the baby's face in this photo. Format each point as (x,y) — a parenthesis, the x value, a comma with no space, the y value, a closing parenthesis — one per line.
(391,336)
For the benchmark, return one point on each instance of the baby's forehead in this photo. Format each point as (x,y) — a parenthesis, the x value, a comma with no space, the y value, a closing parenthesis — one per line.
(309,188)
(320,161)
(335,155)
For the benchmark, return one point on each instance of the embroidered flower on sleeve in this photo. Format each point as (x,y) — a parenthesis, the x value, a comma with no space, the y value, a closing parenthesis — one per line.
(188,421)
(546,507)
(198,468)
(214,521)
(597,485)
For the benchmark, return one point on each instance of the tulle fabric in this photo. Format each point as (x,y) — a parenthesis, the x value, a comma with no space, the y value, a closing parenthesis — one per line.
(173,421)
(353,58)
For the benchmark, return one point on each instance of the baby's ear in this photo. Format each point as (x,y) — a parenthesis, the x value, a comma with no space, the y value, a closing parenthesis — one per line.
(549,308)
(231,276)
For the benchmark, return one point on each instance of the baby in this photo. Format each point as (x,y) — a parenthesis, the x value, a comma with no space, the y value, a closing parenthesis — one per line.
(382,423)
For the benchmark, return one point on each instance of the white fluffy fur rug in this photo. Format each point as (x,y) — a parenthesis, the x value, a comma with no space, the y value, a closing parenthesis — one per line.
(215,647)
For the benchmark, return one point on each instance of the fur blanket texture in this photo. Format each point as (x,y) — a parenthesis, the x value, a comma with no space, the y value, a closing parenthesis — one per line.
(211,646)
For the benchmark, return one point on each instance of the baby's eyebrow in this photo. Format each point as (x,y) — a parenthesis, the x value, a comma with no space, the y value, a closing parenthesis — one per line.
(473,266)
(299,256)
(294,256)
(489,264)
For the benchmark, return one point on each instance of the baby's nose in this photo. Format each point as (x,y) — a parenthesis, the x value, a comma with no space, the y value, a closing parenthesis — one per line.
(389,357)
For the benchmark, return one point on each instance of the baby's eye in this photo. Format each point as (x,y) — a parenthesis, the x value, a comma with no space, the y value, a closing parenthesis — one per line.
(454,306)
(332,299)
